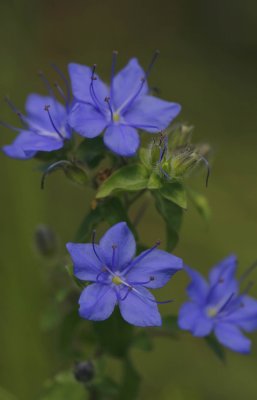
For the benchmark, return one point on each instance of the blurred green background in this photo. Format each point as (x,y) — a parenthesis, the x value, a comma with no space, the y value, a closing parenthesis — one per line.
(208,64)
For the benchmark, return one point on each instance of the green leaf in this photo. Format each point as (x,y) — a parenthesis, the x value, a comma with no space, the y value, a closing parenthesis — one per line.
(216,347)
(143,341)
(201,204)
(130,383)
(175,192)
(64,386)
(91,151)
(114,334)
(111,210)
(172,215)
(129,178)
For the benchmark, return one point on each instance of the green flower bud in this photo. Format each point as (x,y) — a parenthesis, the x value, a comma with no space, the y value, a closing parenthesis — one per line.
(183,162)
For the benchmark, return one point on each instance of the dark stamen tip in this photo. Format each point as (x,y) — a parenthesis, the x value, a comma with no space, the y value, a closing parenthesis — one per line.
(221,280)
(151,278)
(115,52)
(158,243)
(47,107)
(107,99)
(114,246)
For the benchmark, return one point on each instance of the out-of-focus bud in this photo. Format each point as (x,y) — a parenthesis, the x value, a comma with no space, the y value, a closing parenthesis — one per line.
(84,371)
(76,173)
(183,162)
(181,135)
(46,241)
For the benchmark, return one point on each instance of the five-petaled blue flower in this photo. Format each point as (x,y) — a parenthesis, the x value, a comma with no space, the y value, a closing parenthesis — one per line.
(44,128)
(220,307)
(119,110)
(119,278)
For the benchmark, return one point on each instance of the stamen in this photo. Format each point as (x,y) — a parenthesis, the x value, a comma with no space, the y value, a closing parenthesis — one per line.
(114,247)
(129,289)
(222,308)
(248,271)
(208,170)
(97,256)
(47,107)
(152,62)
(61,92)
(141,257)
(66,82)
(51,168)
(151,278)
(93,244)
(92,90)
(132,98)
(152,300)
(114,61)
(15,110)
(107,100)
(9,126)
(46,83)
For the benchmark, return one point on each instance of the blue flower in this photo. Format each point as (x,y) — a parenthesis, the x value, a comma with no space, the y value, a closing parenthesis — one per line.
(119,278)
(219,306)
(45,126)
(119,110)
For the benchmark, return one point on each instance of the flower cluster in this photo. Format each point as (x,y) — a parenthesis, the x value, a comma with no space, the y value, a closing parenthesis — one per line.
(119,278)
(119,110)
(219,306)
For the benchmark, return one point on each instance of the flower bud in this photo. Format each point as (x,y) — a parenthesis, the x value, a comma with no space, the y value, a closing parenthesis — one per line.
(183,162)
(84,371)
(46,241)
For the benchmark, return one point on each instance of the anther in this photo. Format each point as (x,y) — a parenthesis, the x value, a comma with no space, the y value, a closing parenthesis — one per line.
(46,108)
(151,278)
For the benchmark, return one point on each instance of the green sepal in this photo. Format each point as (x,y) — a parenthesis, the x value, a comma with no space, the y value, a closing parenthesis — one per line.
(154,182)
(172,215)
(201,204)
(129,178)
(216,347)
(175,192)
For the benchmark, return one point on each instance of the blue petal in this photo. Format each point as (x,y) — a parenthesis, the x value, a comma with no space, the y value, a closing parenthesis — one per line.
(198,289)
(140,308)
(37,116)
(127,83)
(97,302)
(121,139)
(192,318)
(151,114)
(80,76)
(158,264)
(15,150)
(226,267)
(223,281)
(121,237)
(86,120)
(246,314)
(230,336)
(86,263)
(28,143)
